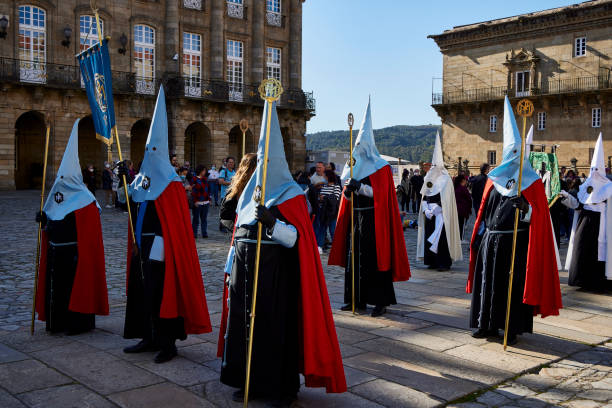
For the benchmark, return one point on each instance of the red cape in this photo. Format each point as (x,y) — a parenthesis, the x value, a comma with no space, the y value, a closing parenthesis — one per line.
(320,358)
(542,288)
(89,293)
(183,287)
(390,245)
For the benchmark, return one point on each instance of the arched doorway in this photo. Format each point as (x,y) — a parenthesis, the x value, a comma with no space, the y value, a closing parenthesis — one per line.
(198,145)
(91,150)
(138,140)
(29,150)
(235,143)
(288,146)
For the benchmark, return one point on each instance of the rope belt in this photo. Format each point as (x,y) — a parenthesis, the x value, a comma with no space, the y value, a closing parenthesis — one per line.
(363,208)
(147,234)
(254,241)
(61,244)
(506,232)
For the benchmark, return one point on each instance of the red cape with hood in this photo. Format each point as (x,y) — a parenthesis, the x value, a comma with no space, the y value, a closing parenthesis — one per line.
(542,288)
(390,245)
(183,287)
(320,358)
(89,294)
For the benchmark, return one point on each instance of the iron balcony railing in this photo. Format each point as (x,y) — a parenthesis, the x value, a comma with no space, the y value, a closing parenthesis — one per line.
(548,87)
(69,77)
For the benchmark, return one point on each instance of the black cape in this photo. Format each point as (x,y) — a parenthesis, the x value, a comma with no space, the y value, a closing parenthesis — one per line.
(585,270)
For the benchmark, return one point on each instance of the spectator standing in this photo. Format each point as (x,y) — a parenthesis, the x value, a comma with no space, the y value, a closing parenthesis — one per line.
(318,179)
(416,182)
(89,177)
(107,184)
(464,201)
(247,166)
(478,186)
(225,179)
(201,201)
(175,163)
(213,184)
(329,202)
(331,166)
(190,173)
(406,191)
(186,181)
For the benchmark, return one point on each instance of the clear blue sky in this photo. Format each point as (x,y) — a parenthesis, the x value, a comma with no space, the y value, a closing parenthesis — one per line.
(352,48)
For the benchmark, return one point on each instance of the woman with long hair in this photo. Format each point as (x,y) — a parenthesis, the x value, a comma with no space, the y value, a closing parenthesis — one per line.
(241,178)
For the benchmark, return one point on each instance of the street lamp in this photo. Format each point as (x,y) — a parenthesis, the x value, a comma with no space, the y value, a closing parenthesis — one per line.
(67,35)
(123,41)
(3,26)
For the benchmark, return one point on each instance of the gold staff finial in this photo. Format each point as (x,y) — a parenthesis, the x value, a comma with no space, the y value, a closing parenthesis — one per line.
(524,108)
(270,89)
(351,120)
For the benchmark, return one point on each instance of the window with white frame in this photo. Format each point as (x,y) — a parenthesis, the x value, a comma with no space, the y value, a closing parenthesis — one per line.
(273,12)
(32,44)
(522,83)
(596,117)
(273,63)
(580,47)
(235,8)
(144,58)
(492,157)
(235,69)
(541,120)
(192,62)
(493,123)
(88,31)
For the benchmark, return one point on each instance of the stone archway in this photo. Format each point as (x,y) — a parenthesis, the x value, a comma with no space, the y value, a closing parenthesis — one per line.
(198,146)
(91,150)
(138,140)
(235,143)
(29,150)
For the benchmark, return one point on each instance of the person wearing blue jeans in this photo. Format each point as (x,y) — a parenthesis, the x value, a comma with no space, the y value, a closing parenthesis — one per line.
(201,201)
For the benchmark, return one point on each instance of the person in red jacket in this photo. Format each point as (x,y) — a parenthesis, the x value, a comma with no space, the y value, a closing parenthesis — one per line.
(380,249)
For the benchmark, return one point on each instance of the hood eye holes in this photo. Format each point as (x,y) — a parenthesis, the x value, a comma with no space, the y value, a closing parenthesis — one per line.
(514,151)
(155,148)
(61,177)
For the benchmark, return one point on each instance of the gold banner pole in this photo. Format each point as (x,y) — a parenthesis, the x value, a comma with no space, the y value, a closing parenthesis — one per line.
(525,109)
(244,126)
(42,199)
(351,120)
(270,90)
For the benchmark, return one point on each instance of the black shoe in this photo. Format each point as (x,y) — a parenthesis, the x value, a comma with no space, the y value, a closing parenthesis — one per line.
(483,334)
(238,396)
(204,236)
(432,267)
(443,269)
(512,340)
(141,347)
(347,307)
(379,311)
(282,402)
(165,355)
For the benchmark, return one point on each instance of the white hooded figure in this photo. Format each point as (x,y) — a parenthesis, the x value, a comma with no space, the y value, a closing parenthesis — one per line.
(589,256)
(439,242)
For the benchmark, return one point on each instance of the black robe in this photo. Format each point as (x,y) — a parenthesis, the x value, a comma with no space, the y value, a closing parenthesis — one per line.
(275,363)
(585,270)
(62,257)
(146,288)
(491,275)
(442,259)
(372,286)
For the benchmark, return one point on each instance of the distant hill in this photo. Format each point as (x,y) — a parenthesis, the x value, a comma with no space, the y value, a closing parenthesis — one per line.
(412,143)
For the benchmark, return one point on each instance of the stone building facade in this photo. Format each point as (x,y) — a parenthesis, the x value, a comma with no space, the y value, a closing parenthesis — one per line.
(560,59)
(210,55)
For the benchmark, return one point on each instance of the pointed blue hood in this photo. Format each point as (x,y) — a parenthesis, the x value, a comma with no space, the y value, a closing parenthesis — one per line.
(280,185)
(68,193)
(156,172)
(505,176)
(366,156)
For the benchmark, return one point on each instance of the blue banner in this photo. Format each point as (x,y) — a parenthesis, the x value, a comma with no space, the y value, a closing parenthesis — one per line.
(96,74)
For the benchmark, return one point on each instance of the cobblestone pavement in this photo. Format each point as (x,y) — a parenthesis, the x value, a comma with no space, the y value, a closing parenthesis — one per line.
(418,354)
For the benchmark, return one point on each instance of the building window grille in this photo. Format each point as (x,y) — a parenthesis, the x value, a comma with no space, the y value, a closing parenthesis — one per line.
(492,157)
(493,123)
(32,44)
(273,63)
(193,4)
(235,69)
(235,9)
(580,47)
(596,117)
(541,120)
(192,62)
(273,13)
(144,59)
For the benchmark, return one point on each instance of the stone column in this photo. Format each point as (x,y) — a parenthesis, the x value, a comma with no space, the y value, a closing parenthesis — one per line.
(257,39)
(295,44)
(172,39)
(217,16)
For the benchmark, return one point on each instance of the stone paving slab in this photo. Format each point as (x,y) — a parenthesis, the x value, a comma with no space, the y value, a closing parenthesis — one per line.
(419,354)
